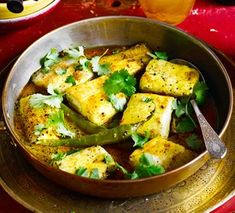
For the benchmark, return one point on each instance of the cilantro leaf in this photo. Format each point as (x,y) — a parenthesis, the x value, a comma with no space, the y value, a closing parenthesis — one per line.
(85,63)
(140,141)
(158,55)
(194,142)
(100,69)
(185,125)
(49,59)
(75,52)
(38,100)
(58,156)
(57,120)
(147,100)
(61,71)
(70,80)
(147,167)
(120,81)
(118,102)
(82,171)
(39,128)
(95,173)
(200,92)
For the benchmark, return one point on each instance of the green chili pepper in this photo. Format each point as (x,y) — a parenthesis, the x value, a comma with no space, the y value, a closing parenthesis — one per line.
(107,136)
(81,122)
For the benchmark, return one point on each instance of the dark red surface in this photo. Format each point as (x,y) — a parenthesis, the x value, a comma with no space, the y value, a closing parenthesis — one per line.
(209,21)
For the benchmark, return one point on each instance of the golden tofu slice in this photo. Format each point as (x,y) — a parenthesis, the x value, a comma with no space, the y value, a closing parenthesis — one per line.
(152,112)
(38,122)
(162,150)
(31,117)
(163,77)
(90,100)
(59,73)
(93,162)
(133,59)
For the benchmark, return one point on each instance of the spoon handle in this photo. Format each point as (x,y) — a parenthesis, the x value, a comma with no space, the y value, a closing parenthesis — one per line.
(214,145)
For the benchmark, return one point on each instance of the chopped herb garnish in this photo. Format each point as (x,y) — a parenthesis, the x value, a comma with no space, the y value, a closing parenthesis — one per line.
(61,71)
(108,159)
(58,156)
(140,141)
(57,120)
(75,52)
(39,128)
(70,79)
(120,81)
(38,100)
(158,55)
(146,168)
(100,69)
(85,64)
(95,174)
(147,100)
(49,59)
(200,92)
(194,142)
(118,102)
(82,171)
(185,125)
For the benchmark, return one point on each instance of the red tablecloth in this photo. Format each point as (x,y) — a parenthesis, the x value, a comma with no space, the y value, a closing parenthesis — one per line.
(209,21)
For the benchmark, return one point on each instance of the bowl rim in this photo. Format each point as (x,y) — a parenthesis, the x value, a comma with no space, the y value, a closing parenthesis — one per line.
(31,15)
(130,18)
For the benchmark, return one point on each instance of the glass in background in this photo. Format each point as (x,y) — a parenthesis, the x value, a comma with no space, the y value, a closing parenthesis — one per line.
(169,11)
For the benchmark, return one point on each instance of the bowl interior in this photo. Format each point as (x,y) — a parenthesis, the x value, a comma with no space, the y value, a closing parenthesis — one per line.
(109,31)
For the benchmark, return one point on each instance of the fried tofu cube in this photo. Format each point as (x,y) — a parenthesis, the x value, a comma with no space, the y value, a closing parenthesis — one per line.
(133,59)
(59,73)
(90,100)
(163,77)
(152,112)
(93,162)
(162,150)
(31,117)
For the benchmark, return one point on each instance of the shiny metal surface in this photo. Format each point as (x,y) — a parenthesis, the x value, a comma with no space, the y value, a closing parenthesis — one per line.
(106,31)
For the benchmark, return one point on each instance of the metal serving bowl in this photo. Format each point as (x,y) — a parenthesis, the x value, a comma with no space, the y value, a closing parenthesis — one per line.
(121,30)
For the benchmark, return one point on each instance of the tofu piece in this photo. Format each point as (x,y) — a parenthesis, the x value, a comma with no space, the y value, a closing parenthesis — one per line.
(163,77)
(30,117)
(90,100)
(90,160)
(151,111)
(133,59)
(58,80)
(162,150)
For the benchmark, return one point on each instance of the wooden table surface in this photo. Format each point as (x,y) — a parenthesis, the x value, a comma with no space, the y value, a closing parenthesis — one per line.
(209,21)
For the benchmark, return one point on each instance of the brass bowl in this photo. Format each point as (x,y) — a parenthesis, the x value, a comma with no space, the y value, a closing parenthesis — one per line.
(121,30)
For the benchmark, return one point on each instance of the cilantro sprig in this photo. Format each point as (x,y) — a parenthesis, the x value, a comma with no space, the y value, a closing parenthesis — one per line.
(194,142)
(57,120)
(145,168)
(158,55)
(140,141)
(120,81)
(49,59)
(38,100)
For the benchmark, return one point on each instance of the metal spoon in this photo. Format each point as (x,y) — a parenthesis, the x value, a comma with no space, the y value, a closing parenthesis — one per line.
(215,147)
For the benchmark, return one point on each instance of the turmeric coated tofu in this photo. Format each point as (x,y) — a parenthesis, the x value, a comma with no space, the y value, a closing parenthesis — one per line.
(151,111)
(162,150)
(133,59)
(61,76)
(163,77)
(93,162)
(90,100)
(42,123)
